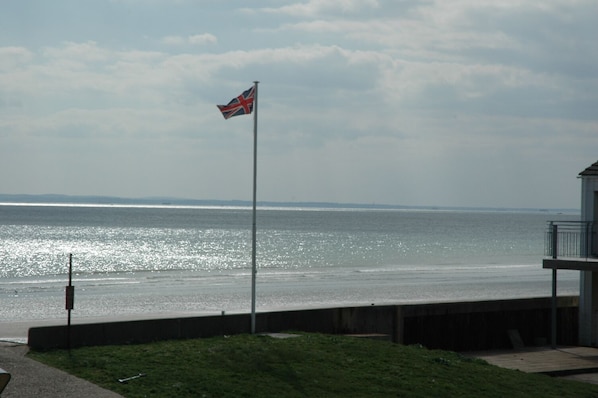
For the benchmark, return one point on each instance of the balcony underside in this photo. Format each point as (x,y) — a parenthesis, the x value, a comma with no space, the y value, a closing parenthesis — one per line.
(578,264)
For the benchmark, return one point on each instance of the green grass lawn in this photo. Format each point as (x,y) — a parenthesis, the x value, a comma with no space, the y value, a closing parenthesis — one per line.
(311,365)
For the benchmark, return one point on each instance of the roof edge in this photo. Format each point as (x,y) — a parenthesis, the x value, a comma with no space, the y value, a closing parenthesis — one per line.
(590,171)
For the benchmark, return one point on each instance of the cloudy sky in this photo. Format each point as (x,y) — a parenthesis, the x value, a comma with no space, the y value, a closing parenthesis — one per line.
(410,102)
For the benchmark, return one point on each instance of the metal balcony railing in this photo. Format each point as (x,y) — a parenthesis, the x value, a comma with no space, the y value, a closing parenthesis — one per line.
(571,239)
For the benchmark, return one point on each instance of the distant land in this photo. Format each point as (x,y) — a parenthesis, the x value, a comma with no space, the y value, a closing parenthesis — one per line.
(165,201)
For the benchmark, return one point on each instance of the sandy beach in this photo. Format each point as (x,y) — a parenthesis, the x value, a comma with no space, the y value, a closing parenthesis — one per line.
(17,331)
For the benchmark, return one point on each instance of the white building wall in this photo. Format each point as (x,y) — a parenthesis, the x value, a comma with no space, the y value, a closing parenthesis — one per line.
(588,289)
(589,187)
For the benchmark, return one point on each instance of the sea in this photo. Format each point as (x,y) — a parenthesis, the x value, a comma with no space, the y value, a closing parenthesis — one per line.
(135,261)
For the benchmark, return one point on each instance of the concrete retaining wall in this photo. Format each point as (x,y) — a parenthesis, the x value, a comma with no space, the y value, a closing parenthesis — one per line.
(452,326)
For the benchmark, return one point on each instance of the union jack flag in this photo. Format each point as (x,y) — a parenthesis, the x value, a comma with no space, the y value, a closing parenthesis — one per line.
(241,105)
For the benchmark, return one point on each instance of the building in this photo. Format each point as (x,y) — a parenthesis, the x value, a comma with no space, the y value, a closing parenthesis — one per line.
(574,246)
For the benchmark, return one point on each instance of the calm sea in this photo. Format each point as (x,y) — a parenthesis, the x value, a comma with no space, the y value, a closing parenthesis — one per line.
(170,260)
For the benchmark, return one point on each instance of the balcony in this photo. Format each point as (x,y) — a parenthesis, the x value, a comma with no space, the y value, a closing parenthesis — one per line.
(577,239)
(571,245)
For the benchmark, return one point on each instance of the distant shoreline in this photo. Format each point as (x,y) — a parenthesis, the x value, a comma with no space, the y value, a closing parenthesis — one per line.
(56,199)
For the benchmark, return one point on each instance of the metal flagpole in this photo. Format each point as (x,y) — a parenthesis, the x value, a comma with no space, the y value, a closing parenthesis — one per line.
(253,234)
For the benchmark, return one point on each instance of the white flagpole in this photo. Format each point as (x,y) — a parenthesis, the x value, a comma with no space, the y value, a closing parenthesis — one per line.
(253,234)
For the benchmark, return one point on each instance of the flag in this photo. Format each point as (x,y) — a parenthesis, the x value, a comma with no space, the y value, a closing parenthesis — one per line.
(242,105)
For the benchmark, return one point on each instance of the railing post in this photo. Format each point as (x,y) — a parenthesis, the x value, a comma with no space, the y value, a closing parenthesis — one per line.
(589,239)
(555,239)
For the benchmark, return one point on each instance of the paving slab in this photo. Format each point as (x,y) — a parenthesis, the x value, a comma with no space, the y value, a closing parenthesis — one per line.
(577,363)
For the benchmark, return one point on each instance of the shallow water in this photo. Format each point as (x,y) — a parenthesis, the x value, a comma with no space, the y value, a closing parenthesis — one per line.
(192,260)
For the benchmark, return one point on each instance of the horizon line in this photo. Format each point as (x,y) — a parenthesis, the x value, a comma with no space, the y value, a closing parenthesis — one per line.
(174,201)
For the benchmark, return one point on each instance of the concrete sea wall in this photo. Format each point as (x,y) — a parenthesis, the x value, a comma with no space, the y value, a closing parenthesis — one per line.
(460,326)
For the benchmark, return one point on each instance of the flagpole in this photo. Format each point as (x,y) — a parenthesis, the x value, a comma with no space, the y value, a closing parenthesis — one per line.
(253,232)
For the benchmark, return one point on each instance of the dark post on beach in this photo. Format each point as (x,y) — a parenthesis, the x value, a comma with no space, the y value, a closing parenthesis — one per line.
(70,301)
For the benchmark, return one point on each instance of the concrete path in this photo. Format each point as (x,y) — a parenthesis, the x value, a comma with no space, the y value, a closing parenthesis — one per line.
(31,379)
